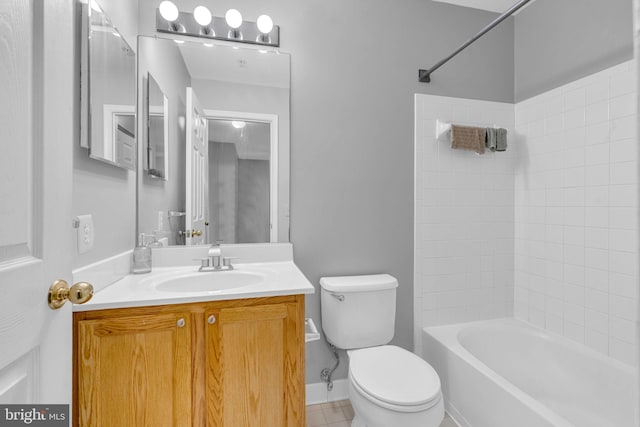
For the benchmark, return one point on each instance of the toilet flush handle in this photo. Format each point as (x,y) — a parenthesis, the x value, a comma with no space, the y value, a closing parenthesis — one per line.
(338,297)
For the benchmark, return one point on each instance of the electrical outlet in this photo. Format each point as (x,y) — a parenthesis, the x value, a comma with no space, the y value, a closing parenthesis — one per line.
(85,233)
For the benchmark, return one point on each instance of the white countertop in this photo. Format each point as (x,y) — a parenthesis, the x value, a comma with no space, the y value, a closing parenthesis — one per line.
(138,290)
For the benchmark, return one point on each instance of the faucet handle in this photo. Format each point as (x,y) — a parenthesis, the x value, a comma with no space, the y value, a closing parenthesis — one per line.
(226,261)
(204,262)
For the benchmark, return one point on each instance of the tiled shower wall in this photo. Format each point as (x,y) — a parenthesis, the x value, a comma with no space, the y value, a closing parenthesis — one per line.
(576,239)
(546,231)
(464,218)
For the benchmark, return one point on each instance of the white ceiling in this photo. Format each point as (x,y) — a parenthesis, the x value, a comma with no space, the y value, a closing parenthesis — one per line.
(498,6)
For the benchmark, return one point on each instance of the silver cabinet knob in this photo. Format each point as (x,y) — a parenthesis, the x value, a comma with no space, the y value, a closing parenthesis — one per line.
(211,319)
(180,323)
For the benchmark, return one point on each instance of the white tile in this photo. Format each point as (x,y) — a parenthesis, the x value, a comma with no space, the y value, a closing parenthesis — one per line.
(574,99)
(597,320)
(623,263)
(597,279)
(574,118)
(574,235)
(597,134)
(622,307)
(621,329)
(596,154)
(574,255)
(597,238)
(597,112)
(622,83)
(574,313)
(597,340)
(623,128)
(597,196)
(597,91)
(623,150)
(597,217)
(597,175)
(597,258)
(623,240)
(624,173)
(623,285)
(573,274)
(622,106)
(623,218)
(597,300)
(574,331)
(623,351)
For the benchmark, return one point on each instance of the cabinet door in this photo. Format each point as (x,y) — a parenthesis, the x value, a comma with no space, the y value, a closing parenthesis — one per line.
(135,371)
(255,366)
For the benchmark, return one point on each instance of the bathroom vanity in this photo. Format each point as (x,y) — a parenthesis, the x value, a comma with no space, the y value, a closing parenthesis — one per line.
(229,356)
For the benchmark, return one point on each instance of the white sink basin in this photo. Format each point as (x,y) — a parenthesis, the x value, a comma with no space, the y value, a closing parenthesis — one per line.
(208,281)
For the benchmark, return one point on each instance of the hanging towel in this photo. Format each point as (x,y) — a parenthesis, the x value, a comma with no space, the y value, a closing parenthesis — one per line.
(501,139)
(490,141)
(468,138)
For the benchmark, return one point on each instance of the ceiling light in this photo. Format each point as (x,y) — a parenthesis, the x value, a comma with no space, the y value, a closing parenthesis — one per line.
(233,18)
(238,124)
(202,15)
(168,10)
(265,24)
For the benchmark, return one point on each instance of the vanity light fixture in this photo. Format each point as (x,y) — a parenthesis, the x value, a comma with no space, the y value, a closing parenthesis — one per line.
(265,26)
(170,14)
(203,17)
(238,124)
(201,23)
(234,21)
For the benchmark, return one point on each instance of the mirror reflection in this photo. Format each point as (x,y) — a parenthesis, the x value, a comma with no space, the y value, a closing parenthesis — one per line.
(227,157)
(108,96)
(156,154)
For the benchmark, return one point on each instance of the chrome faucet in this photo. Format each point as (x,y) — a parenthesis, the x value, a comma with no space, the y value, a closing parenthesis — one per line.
(214,260)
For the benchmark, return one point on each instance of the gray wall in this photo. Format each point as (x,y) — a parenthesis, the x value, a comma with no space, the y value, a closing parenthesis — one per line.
(557,42)
(163,60)
(253,201)
(105,191)
(354,75)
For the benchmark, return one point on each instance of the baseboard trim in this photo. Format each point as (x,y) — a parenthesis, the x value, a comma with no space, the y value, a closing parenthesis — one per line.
(318,393)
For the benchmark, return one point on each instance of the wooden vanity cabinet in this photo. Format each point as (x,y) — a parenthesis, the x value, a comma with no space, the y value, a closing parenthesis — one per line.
(216,364)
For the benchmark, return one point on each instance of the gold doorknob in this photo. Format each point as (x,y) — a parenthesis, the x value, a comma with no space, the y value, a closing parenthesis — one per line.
(59,293)
(196,233)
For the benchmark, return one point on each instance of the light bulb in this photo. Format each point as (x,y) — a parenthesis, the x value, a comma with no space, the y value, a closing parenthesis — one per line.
(233,18)
(202,15)
(238,124)
(265,24)
(168,10)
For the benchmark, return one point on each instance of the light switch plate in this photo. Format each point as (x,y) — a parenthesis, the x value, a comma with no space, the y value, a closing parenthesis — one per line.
(85,233)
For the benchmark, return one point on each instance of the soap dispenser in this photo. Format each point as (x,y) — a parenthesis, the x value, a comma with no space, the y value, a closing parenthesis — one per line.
(141,257)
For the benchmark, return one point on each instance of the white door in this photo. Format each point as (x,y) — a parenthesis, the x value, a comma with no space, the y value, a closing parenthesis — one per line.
(36,237)
(197,179)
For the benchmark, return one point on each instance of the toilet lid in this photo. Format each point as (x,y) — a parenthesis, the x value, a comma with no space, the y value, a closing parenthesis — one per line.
(394,375)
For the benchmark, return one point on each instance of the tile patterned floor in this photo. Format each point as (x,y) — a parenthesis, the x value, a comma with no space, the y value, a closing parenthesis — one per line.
(340,414)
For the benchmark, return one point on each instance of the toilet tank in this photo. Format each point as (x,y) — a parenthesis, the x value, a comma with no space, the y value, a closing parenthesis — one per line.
(358,311)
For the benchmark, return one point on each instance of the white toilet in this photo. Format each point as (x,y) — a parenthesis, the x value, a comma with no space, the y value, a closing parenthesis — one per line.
(388,386)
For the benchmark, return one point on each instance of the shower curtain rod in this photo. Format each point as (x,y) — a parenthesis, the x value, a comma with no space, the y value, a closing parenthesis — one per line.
(425,75)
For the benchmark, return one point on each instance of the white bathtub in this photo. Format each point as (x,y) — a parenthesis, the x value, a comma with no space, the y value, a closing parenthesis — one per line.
(505,373)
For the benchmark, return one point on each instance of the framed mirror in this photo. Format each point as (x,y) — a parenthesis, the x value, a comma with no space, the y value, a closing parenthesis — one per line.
(228,144)
(108,90)
(156,159)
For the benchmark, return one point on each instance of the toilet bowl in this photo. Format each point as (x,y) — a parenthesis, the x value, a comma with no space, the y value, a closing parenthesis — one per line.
(390,386)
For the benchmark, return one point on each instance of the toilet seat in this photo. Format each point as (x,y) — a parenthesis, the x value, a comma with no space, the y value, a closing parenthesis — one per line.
(394,378)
